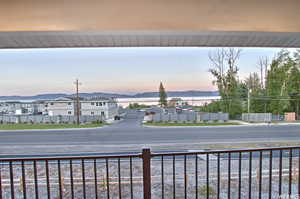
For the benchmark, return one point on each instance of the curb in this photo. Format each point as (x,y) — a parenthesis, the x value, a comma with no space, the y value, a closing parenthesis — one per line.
(45,130)
(223,126)
(220,126)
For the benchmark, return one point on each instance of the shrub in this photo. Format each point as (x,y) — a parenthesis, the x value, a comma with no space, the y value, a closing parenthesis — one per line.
(203,191)
(97,122)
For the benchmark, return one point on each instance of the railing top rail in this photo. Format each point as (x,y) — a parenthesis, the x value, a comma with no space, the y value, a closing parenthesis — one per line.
(139,155)
(77,157)
(225,151)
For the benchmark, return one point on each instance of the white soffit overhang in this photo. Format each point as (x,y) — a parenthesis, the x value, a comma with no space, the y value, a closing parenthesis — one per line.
(70,39)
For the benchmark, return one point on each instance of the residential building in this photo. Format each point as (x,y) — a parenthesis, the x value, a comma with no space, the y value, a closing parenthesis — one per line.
(104,107)
(107,108)
(21,108)
(60,106)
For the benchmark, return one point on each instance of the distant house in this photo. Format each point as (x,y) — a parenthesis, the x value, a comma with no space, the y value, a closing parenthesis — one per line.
(104,107)
(177,102)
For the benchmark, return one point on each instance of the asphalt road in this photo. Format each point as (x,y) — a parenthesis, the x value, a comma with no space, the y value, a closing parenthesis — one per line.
(130,135)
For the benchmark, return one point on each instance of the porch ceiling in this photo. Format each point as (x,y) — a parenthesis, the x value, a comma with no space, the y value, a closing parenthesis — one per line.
(114,23)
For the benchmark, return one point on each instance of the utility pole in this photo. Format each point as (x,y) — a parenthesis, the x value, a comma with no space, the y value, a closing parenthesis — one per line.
(249,91)
(77,101)
(297,116)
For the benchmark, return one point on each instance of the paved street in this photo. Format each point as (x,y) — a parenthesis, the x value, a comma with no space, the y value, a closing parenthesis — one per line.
(130,135)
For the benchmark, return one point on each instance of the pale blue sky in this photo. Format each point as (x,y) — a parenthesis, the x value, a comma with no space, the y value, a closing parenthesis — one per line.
(120,70)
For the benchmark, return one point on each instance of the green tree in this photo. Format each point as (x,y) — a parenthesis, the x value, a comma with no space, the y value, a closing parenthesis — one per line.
(294,84)
(256,92)
(277,85)
(275,90)
(243,90)
(212,107)
(162,96)
(283,83)
(225,71)
(138,106)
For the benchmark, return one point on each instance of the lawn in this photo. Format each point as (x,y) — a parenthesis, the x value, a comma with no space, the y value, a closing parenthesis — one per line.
(296,121)
(45,126)
(190,124)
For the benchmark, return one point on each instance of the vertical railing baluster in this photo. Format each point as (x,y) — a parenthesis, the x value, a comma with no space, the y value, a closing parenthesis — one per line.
(162,178)
(280,174)
(23,181)
(0,180)
(260,175)
(95,178)
(119,178)
(71,179)
(298,172)
(196,175)
(270,174)
(12,185)
(240,175)
(107,177)
(59,180)
(174,179)
(207,176)
(250,175)
(146,156)
(36,187)
(47,179)
(83,178)
(290,171)
(218,176)
(131,183)
(185,178)
(229,174)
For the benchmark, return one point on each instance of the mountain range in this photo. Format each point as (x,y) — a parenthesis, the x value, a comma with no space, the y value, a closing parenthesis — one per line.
(51,96)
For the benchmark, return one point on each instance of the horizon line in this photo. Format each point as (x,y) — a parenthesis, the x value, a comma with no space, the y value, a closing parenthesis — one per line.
(106,92)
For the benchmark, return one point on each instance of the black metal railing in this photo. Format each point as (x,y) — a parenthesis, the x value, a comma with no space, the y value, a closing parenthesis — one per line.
(242,173)
(238,173)
(110,176)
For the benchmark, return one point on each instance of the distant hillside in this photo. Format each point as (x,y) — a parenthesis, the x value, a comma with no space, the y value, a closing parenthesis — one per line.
(35,97)
(51,96)
(111,95)
(179,94)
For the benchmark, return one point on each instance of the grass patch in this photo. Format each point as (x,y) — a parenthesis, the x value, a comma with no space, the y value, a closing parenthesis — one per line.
(282,122)
(190,124)
(46,126)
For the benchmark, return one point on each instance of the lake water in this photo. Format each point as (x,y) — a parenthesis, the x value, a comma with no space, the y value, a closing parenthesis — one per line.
(195,101)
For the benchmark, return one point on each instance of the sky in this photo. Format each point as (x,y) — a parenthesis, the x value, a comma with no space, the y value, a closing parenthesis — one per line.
(116,70)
